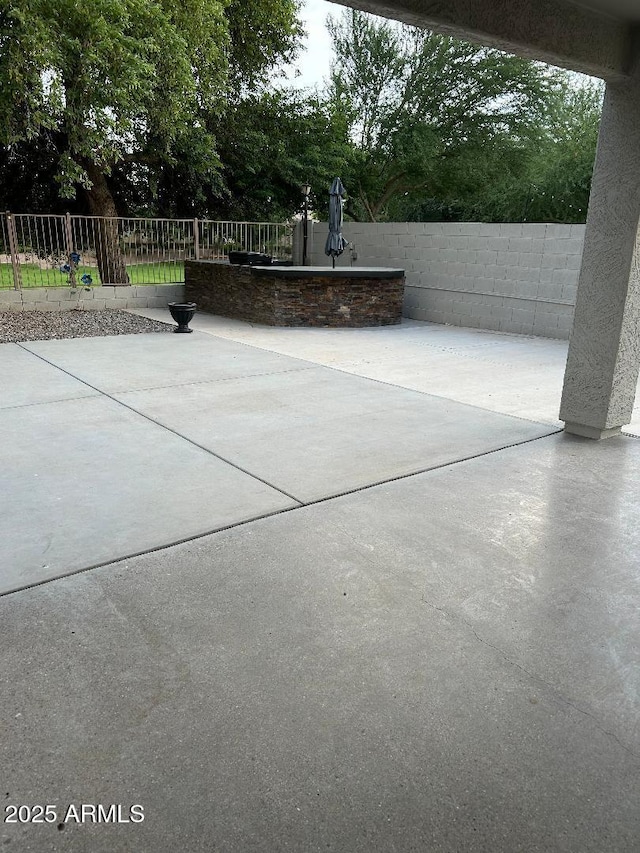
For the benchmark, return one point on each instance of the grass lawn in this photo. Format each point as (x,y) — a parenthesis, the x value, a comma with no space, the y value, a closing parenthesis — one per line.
(154,273)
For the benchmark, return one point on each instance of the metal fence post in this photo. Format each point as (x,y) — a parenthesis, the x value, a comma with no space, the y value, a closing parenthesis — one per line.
(69,237)
(196,240)
(13,251)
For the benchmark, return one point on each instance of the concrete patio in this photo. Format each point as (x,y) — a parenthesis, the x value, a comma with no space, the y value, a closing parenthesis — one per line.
(401,613)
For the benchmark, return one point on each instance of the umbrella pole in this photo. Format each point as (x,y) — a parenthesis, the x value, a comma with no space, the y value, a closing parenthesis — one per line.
(334,262)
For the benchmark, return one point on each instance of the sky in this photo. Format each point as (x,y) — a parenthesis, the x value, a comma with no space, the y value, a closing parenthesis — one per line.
(313,63)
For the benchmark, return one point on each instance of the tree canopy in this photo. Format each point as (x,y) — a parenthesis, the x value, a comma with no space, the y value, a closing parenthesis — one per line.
(428,113)
(552,180)
(108,81)
(150,107)
(129,85)
(270,143)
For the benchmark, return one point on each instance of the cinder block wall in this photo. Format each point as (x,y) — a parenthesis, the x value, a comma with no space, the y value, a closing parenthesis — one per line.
(505,277)
(64,298)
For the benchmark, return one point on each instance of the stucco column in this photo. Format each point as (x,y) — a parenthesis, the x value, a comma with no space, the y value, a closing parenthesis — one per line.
(604,349)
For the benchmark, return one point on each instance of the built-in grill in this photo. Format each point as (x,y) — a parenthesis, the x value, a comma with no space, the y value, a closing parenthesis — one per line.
(251,259)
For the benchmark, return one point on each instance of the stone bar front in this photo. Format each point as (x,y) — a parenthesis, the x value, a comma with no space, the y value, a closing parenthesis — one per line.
(297,296)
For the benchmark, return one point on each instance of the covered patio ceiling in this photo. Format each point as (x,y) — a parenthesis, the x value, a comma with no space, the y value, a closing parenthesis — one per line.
(591,36)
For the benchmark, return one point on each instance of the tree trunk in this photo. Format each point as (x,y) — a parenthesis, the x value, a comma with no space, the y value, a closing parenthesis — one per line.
(111,265)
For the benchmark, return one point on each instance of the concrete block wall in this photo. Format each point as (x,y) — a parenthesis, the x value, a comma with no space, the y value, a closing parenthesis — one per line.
(506,277)
(95,298)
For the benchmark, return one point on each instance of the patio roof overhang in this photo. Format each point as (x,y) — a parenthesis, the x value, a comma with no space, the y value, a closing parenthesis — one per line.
(591,36)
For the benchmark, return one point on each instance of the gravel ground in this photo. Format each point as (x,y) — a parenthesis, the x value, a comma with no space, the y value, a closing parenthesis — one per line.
(18,326)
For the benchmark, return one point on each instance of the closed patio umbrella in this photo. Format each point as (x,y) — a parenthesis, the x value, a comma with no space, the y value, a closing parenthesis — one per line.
(336,243)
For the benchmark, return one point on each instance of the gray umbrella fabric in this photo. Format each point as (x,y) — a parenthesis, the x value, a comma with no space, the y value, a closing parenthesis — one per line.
(336,243)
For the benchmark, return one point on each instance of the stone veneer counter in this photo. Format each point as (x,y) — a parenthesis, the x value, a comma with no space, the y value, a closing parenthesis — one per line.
(297,296)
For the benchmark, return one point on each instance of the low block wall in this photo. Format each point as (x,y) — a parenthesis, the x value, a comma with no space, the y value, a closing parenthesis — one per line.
(287,299)
(64,298)
(507,277)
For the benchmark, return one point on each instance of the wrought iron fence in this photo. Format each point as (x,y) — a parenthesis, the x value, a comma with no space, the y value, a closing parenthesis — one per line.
(61,251)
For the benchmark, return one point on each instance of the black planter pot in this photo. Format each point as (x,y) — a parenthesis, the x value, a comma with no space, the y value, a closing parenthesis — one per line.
(182,313)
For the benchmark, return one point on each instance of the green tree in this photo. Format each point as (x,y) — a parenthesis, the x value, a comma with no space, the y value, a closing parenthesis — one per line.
(554,179)
(27,177)
(263,35)
(270,144)
(424,109)
(117,82)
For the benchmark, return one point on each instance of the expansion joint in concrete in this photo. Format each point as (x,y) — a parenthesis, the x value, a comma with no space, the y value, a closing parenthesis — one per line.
(165,427)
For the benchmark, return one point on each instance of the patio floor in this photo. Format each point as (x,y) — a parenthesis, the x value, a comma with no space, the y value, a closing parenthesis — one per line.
(402,616)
